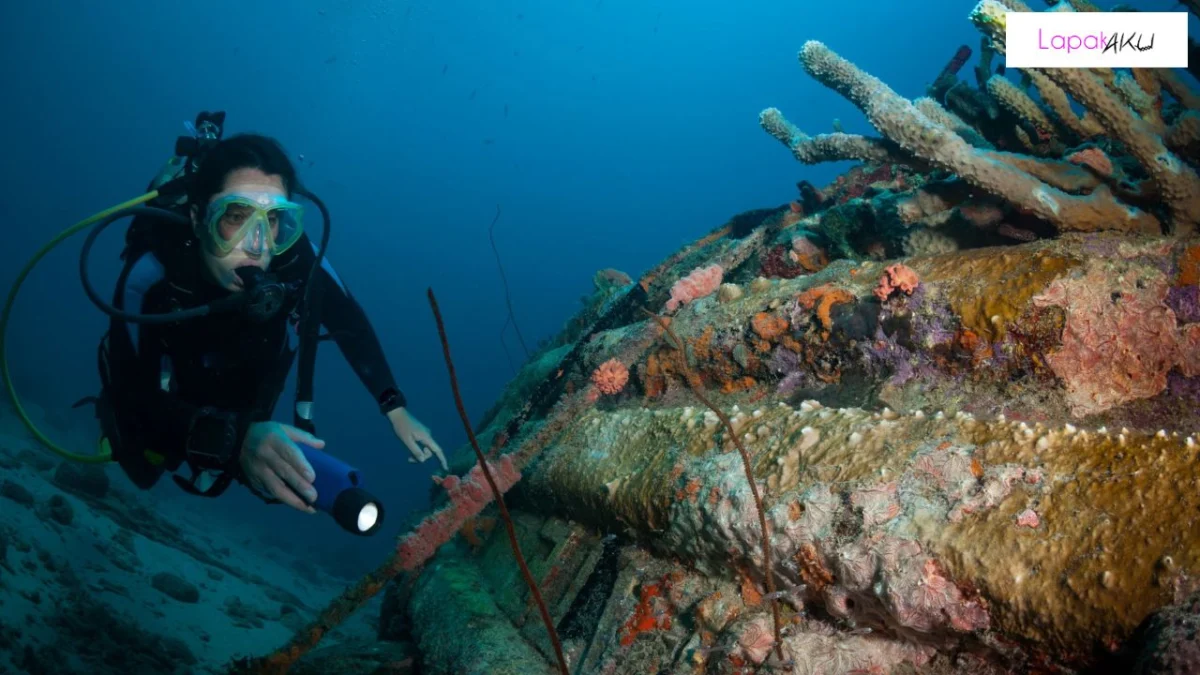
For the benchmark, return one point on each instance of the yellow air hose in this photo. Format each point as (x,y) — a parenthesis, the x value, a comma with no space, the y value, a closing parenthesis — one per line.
(104,453)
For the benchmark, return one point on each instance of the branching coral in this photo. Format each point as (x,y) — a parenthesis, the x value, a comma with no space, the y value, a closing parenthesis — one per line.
(1110,102)
(1019,103)
(1035,183)
(1025,182)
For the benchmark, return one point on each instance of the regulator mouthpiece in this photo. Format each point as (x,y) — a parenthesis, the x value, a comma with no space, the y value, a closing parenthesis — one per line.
(264,295)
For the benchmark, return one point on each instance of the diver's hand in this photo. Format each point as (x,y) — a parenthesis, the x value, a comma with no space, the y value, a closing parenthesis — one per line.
(274,465)
(416,436)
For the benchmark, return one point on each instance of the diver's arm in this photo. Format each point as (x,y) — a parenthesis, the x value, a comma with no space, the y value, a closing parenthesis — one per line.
(346,321)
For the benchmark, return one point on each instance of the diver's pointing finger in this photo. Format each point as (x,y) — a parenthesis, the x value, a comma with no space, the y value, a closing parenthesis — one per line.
(437,452)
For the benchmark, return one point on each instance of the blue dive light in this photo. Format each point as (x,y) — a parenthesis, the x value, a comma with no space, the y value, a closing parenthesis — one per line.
(340,493)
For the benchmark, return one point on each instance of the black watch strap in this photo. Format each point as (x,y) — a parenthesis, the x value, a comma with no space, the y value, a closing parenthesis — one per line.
(212,439)
(390,400)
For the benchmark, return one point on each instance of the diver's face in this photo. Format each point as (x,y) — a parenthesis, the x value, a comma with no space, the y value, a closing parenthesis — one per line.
(222,266)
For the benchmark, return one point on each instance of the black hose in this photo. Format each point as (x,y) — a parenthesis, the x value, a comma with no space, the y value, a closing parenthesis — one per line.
(108,309)
(312,272)
(171,217)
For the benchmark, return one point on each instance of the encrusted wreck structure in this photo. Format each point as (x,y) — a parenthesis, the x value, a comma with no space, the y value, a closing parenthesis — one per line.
(939,416)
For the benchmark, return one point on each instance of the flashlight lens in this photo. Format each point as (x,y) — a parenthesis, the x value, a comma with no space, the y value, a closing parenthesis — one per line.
(367,517)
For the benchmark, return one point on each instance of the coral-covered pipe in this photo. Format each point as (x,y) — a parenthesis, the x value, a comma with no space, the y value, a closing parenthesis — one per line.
(937,527)
(1045,528)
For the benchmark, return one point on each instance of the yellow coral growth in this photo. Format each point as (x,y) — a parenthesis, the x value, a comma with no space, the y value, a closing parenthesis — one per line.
(1116,496)
(1004,283)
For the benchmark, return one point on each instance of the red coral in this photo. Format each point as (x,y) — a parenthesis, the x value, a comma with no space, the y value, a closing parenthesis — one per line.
(651,612)
(468,496)
(921,597)
(877,503)
(756,641)
(777,264)
(1028,518)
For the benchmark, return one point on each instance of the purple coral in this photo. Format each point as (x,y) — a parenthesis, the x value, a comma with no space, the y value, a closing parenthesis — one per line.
(933,323)
(786,363)
(1185,302)
(1184,388)
(783,361)
(883,353)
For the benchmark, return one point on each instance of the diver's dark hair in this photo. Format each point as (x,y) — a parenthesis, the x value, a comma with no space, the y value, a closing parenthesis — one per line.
(241,151)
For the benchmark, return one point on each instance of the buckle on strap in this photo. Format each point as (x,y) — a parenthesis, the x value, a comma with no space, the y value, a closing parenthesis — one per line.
(212,439)
(203,484)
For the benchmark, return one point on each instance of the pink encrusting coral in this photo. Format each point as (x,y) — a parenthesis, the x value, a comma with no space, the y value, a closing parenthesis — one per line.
(896,575)
(701,282)
(896,278)
(756,640)
(468,496)
(877,503)
(1120,339)
(817,647)
(859,556)
(1028,518)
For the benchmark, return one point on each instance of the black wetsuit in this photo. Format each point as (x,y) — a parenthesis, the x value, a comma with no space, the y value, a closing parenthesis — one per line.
(171,386)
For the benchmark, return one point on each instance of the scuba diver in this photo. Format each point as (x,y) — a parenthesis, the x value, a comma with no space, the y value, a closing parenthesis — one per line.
(201,392)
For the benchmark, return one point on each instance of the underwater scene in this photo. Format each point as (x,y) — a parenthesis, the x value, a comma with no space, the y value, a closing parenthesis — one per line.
(887,359)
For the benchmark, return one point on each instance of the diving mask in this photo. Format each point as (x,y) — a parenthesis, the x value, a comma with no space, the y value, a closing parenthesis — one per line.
(257,222)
